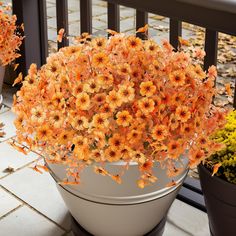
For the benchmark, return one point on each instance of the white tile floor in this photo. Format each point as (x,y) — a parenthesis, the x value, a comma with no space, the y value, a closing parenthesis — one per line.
(30,204)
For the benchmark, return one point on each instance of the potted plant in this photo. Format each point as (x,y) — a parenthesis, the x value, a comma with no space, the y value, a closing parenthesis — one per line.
(118,110)
(218,181)
(10,40)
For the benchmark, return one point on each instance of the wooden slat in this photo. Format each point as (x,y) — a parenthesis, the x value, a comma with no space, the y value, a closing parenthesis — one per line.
(193,184)
(86,16)
(175,32)
(62,21)
(219,20)
(33,49)
(192,198)
(141,20)
(113,17)
(43,30)
(211,46)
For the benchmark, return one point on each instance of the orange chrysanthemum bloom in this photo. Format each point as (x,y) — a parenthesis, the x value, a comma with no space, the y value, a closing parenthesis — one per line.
(147,89)
(126,93)
(175,148)
(160,132)
(123,118)
(199,73)
(134,42)
(105,81)
(146,105)
(116,142)
(83,101)
(100,59)
(151,46)
(112,155)
(99,43)
(114,99)
(56,119)
(182,113)
(100,120)
(80,122)
(177,78)
(43,132)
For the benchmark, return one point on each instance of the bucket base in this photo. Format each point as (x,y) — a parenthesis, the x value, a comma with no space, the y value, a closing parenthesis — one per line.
(78,230)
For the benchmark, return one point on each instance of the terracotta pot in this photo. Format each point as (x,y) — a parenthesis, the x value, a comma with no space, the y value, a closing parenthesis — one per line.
(2,73)
(104,208)
(220,199)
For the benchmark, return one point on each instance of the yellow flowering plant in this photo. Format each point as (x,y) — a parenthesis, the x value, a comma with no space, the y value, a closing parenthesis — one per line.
(10,38)
(223,162)
(118,99)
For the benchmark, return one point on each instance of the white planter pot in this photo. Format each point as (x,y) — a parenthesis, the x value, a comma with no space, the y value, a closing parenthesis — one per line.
(2,73)
(104,208)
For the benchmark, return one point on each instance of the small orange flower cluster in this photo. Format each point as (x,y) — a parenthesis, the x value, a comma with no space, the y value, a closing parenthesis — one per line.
(10,39)
(118,99)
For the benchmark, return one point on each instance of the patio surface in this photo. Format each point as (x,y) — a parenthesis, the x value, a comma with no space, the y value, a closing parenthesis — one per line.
(29,202)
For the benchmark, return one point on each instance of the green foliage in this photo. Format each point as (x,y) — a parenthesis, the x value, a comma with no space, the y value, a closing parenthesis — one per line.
(227,156)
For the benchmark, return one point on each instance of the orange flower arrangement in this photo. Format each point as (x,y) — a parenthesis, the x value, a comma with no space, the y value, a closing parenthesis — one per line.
(118,99)
(10,39)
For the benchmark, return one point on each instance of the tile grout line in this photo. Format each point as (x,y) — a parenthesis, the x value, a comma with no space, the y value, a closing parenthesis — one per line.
(22,167)
(177,226)
(31,207)
(11,211)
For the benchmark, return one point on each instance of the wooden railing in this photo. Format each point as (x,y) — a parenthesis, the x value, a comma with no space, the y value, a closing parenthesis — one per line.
(213,19)
(33,14)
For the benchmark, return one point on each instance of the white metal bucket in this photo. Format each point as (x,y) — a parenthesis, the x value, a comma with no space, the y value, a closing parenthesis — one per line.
(105,208)
(2,73)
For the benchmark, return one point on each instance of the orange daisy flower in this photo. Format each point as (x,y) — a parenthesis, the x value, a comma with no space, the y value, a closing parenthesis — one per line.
(116,142)
(43,132)
(97,155)
(123,118)
(83,101)
(100,121)
(134,42)
(126,93)
(38,115)
(105,81)
(99,43)
(182,113)
(147,89)
(91,86)
(56,119)
(198,72)
(112,155)
(134,136)
(99,98)
(177,78)
(151,46)
(100,59)
(160,132)
(146,105)
(65,137)
(124,69)
(114,99)
(80,122)
(175,148)
(107,109)
(126,152)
